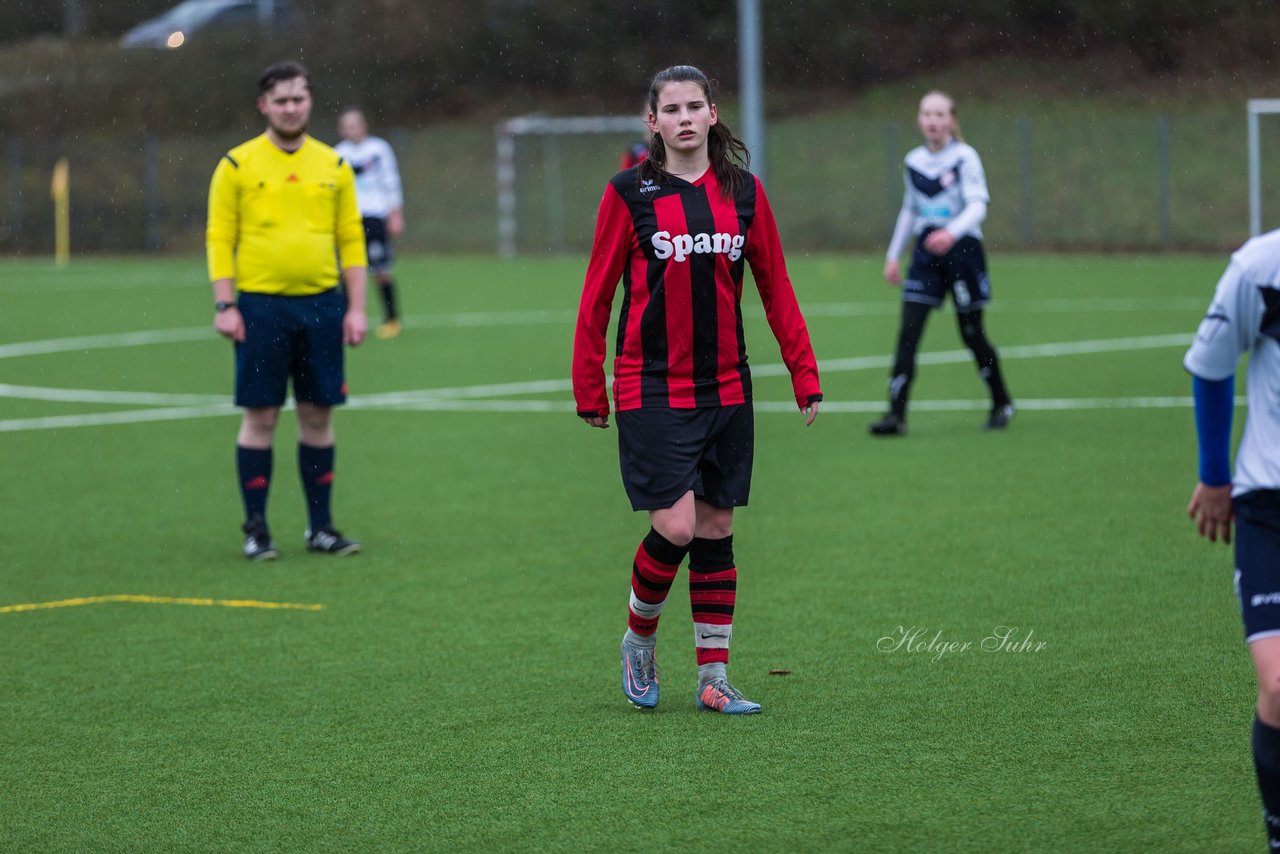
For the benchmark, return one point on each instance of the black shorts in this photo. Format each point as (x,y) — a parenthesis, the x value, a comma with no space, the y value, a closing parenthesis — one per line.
(298,338)
(377,245)
(962,272)
(1257,576)
(665,453)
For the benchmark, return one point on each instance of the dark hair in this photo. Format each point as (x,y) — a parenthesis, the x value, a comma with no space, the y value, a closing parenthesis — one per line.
(280,72)
(726,151)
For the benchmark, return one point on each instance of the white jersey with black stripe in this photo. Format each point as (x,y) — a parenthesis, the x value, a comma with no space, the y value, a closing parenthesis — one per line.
(1244,317)
(940,184)
(377,175)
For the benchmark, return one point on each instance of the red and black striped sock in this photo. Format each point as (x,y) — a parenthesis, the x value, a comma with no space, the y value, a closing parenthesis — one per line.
(657,561)
(713,586)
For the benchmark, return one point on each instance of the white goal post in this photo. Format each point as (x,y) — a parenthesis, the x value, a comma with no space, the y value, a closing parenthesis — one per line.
(507,133)
(1257,107)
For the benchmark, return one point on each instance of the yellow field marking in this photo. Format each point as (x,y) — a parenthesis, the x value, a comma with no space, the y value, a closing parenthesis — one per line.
(160,600)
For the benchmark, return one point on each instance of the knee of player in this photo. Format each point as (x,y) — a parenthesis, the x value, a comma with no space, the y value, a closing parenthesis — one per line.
(261,421)
(678,532)
(315,418)
(1269,700)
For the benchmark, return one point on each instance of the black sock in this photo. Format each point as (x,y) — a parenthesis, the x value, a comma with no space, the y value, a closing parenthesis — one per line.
(1266,761)
(254,468)
(316,467)
(388,289)
(984,353)
(910,330)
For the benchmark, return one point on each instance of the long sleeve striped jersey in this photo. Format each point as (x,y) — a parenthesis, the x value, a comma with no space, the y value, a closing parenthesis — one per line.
(679,250)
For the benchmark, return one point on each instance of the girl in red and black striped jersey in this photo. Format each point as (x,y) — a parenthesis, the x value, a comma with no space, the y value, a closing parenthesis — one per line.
(677,231)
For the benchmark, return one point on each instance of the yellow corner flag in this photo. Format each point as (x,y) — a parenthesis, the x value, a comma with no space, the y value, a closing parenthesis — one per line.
(61,192)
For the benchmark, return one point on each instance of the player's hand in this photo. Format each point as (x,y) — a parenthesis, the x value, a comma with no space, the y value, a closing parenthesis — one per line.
(939,242)
(355,326)
(395,223)
(893,273)
(601,421)
(230,324)
(810,414)
(1210,509)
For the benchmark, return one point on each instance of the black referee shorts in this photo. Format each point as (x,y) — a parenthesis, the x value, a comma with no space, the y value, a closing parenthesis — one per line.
(664,453)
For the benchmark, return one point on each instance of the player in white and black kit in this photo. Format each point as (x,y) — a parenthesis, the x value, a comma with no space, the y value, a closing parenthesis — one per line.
(1244,317)
(381,204)
(945,202)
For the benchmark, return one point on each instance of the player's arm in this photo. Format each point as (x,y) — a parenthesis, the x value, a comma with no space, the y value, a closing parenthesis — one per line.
(901,234)
(1224,335)
(1210,505)
(352,257)
(769,268)
(220,245)
(973,190)
(395,193)
(609,250)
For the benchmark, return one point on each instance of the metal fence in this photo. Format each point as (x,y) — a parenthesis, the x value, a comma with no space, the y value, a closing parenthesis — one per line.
(1140,180)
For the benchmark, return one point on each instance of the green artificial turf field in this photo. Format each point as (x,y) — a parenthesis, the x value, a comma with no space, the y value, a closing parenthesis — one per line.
(458,687)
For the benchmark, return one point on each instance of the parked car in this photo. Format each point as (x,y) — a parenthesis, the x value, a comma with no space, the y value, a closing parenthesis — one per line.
(176,27)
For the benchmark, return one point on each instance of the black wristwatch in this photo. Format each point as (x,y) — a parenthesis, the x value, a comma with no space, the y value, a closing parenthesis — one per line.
(223,306)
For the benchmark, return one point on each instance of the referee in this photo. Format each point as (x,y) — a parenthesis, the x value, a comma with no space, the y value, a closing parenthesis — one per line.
(282,219)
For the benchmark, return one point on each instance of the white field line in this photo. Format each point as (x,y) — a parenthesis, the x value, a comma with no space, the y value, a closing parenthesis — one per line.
(566,317)
(465,398)
(180,413)
(132,416)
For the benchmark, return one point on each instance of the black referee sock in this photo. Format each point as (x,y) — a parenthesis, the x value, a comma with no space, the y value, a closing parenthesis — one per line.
(253,465)
(316,467)
(388,289)
(1266,761)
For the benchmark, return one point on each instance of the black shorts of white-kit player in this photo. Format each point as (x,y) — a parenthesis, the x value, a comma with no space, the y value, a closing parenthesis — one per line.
(962,273)
(1258,562)
(664,453)
(377,244)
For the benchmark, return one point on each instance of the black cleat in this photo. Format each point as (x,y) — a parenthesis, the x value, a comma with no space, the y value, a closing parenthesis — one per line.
(999,417)
(329,540)
(257,540)
(890,425)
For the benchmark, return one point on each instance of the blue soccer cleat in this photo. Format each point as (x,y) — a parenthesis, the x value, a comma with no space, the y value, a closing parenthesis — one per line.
(640,675)
(719,696)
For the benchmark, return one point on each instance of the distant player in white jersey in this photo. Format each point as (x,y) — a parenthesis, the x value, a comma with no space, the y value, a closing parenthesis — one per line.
(1244,317)
(381,204)
(944,205)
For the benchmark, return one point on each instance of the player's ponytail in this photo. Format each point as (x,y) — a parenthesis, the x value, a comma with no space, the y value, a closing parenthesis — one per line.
(726,152)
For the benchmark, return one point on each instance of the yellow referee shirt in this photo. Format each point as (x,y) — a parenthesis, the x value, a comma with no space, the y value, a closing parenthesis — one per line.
(282,222)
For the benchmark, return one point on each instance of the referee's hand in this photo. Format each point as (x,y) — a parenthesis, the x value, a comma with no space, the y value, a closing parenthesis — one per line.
(230,324)
(355,325)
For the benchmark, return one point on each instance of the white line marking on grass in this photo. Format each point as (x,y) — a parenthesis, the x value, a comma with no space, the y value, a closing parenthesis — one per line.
(105,342)
(427,404)
(80,395)
(470,398)
(1058,404)
(132,416)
